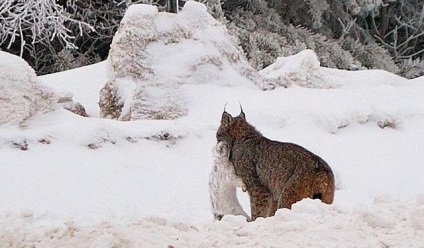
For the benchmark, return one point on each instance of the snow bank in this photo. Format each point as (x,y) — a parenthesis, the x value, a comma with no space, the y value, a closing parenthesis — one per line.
(21,94)
(301,69)
(153,54)
(83,83)
(386,223)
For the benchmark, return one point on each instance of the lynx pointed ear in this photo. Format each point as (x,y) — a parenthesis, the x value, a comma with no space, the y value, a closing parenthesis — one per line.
(226,118)
(242,114)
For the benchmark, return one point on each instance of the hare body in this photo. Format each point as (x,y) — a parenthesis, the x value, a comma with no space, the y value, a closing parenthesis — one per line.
(223,184)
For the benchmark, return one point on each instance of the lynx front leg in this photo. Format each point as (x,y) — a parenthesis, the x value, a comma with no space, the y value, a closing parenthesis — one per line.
(262,203)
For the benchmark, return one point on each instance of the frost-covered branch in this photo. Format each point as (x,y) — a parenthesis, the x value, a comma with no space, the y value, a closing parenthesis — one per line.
(35,21)
(346,27)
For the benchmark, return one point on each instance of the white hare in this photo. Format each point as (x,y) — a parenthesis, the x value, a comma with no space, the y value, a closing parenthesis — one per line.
(223,184)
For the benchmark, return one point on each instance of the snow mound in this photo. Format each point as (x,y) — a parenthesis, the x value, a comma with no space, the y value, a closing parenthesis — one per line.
(154,54)
(21,94)
(301,69)
(90,133)
(309,224)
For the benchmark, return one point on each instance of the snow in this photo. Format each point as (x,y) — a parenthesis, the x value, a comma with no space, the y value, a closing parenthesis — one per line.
(70,181)
(21,94)
(302,69)
(159,52)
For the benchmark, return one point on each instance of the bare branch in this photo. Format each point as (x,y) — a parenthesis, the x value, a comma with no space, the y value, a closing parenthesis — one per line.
(346,27)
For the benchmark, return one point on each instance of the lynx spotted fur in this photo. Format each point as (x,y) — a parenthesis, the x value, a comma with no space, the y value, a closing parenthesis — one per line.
(223,184)
(276,174)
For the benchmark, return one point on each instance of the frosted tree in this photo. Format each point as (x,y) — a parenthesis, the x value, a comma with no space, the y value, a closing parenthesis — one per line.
(344,34)
(104,17)
(214,8)
(264,37)
(30,22)
(36,29)
(403,35)
(371,56)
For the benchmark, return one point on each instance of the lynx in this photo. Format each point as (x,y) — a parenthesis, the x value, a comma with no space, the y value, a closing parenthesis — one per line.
(223,184)
(276,174)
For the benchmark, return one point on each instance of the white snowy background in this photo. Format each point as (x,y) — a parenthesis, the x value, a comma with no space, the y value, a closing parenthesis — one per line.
(70,181)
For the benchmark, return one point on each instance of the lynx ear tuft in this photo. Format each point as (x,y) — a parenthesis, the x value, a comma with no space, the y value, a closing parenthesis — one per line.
(242,114)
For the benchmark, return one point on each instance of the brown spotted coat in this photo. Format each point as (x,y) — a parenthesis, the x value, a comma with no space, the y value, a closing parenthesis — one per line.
(276,174)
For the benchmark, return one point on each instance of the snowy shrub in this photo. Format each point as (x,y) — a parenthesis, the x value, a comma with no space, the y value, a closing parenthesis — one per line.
(277,39)
(153,53)
(371,56)
(362,6)
(21,95)
(261,47)
(301,69)
(68,59)
(317,9)
(412,68)
(349,34)
(214,8)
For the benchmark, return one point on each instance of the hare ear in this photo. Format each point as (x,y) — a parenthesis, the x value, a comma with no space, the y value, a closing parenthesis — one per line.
(226,119)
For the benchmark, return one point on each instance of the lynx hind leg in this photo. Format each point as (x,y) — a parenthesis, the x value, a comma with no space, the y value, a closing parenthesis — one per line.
(314,186)
(290,195)
(223,185)
(325,187)
(262,203)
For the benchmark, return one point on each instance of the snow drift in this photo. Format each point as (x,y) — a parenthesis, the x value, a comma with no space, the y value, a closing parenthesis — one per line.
(21,94)
(386,223)
(153,54)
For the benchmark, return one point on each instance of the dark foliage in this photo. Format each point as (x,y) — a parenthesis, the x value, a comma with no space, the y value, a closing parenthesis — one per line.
(349,34)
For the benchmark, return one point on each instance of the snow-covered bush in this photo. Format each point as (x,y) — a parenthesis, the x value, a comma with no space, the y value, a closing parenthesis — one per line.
(342,33)
(300,69)
(277,39)
(371,56)
(153,54)
(412,68)
(21,94)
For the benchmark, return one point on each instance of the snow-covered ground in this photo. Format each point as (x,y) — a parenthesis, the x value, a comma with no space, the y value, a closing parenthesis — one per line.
(70,181)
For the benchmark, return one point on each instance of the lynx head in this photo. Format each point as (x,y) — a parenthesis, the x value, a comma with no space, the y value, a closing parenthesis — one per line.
(233,128)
